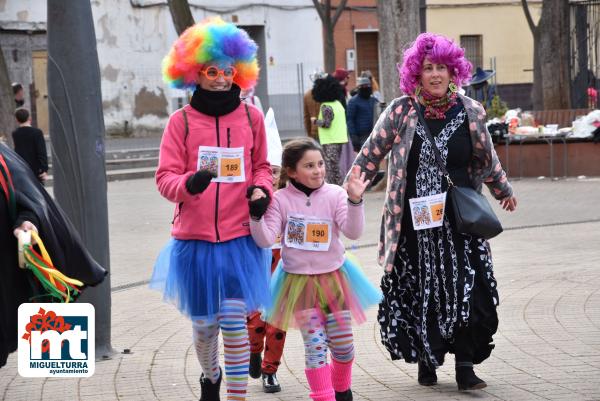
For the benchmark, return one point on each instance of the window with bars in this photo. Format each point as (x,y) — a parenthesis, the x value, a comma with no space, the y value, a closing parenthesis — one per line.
(473,45)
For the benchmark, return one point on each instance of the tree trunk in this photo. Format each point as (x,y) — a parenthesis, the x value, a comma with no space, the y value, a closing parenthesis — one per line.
(398,26)
(7,103)
(181,15)
(329,21)
(553,54)
(329,47)
(551,77)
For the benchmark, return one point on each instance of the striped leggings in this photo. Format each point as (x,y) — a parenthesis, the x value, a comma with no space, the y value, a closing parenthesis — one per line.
(321,333)
(232,322)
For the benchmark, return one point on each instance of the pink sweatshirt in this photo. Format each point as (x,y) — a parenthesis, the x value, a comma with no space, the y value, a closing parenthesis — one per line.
(220,213)
(328,202)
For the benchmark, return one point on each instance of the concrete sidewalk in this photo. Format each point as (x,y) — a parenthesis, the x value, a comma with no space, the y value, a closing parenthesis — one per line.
(547,347)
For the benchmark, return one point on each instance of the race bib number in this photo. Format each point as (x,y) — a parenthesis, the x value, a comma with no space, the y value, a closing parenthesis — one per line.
(311,234)
(428,211)
(226,163)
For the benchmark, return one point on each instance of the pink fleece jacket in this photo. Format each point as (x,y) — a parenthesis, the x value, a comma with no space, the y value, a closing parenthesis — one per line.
(220,213)
(328,202)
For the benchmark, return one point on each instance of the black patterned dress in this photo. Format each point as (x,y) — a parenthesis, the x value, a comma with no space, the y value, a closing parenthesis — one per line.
(441,294)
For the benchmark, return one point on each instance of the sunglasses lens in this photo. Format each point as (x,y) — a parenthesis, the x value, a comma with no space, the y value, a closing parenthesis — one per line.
(212,72)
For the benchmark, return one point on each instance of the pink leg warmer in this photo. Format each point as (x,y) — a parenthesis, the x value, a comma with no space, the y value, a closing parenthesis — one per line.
(341,375)
(319,381)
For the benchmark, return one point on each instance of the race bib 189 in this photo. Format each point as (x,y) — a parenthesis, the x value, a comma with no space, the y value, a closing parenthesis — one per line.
(226,163)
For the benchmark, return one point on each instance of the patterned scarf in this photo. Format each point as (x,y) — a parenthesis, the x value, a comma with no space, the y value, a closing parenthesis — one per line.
(436,107)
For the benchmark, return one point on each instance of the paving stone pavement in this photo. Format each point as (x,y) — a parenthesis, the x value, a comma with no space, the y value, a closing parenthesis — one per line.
(547,263)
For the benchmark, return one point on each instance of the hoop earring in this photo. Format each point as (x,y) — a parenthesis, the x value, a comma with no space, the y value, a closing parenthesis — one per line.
(418,91)
(452,87)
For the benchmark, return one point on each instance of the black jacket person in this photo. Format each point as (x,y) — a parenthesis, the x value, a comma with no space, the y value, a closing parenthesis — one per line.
(23,199)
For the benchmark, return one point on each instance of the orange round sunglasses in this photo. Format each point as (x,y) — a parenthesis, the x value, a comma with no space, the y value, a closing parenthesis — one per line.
(213,73)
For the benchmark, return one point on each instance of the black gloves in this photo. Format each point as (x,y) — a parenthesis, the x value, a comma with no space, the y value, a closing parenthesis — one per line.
(198,182)
(258,207)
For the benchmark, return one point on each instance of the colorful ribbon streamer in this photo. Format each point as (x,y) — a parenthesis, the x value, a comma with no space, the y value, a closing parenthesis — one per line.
(54,282)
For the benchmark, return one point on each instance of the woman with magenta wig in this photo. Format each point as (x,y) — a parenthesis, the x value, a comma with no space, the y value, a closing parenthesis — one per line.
(213,156)
(439,289)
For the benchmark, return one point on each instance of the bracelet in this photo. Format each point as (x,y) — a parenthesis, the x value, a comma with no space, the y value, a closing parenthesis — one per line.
(355,203)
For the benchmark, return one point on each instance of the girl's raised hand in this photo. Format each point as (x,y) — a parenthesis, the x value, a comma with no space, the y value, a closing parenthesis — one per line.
(356,184)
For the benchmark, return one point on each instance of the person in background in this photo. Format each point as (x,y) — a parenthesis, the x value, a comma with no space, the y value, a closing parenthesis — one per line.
(359,113)
(19,94)
(342,76)
(332,129)
(480,89)
(249,97)
(263,336)
(374,84)
(30,144)
(311,108)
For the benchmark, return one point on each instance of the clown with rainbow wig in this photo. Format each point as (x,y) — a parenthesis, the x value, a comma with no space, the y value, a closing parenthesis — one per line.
(439,288)
(213,166)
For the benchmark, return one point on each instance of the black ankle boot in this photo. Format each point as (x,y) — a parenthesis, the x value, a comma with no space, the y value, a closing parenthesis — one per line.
(254,368)
(426,375)
(466,378)
(344,395)
(270,383)
(209,391)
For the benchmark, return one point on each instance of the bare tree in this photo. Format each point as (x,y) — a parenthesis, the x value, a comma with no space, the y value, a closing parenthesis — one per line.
(551,80)
(399,25)
(7,103)
(181,14)
(329,21)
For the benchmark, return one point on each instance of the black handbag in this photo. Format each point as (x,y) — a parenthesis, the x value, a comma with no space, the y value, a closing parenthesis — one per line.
(472,213)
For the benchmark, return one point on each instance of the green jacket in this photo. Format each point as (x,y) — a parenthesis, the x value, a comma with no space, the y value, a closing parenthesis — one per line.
(332,123)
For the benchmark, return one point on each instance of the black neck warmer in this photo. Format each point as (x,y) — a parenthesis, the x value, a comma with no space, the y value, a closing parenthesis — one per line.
(301,187)
(216,103)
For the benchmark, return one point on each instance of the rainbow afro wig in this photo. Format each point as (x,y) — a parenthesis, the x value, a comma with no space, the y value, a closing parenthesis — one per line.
(212,41)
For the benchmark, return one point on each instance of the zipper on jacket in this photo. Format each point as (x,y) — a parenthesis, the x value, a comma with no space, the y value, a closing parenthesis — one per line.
(218,186)
(228,137)
(179,207)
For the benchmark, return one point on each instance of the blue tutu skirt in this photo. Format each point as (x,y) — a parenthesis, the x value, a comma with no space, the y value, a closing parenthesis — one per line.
(196,276)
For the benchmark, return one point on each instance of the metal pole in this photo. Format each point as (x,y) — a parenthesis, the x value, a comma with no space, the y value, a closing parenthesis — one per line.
(77,139)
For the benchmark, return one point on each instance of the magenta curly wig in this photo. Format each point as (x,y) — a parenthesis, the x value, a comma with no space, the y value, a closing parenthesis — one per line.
(438,49)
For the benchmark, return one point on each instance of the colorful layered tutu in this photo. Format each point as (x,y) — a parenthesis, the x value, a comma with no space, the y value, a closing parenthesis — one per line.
(197,276)
(344,289)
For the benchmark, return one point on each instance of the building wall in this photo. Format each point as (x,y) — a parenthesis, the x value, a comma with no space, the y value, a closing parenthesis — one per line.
(133,37)
(361,16)
(506,35)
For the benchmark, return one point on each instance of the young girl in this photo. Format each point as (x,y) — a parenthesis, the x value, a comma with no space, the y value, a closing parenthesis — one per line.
(213,153)
(263,336)
(315,286)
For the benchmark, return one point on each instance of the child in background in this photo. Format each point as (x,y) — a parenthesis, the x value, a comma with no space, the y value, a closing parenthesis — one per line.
(316,286)
(262,335)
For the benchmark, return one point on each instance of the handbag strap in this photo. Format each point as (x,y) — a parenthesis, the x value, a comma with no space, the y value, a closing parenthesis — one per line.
(436,151)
